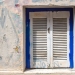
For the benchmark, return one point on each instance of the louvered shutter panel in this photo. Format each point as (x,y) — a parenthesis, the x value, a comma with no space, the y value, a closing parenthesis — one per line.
(39,42)
(60,42)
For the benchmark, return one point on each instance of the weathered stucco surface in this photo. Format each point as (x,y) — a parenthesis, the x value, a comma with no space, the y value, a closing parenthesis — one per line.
(11,30)
(11,35)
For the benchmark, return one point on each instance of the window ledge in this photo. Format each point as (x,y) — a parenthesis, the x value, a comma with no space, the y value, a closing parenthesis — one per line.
(50,71)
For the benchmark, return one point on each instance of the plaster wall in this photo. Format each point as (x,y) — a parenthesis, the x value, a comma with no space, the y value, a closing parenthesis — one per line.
(11,35)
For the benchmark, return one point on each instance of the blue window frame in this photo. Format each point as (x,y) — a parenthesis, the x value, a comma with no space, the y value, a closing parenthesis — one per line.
(28,32)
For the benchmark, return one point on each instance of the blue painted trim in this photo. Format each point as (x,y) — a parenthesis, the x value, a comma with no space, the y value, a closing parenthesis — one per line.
(28,32)
(71,40)
(27,40)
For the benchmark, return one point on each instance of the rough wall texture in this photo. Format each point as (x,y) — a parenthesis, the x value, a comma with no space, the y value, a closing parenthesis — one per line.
(11,35)
(11,30)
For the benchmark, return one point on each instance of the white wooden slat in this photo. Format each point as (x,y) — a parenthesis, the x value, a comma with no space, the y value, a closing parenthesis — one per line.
(38,58)
(40,31)
(40,39)
(59,37)
(59,44)
(60,59)
(60,34)
(40,53)
(39,43)
(59,48)
(60,51)
(39,48)
(39,35)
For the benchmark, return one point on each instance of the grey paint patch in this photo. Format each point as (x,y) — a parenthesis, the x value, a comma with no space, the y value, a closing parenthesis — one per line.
(0,58)
(4,38)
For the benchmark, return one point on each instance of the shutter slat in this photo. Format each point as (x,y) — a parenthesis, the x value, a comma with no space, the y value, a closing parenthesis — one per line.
(38,58)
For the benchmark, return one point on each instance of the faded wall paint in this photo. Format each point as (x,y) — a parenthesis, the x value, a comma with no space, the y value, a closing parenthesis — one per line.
(11,36)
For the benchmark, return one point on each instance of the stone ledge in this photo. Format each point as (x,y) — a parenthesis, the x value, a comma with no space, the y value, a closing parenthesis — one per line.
(37,74)
(40,72)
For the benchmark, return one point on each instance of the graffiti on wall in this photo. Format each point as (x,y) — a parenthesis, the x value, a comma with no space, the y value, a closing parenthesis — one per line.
(37,63)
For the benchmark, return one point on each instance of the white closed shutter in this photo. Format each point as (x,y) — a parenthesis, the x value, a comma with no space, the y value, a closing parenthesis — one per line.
(39,41)
(60,41)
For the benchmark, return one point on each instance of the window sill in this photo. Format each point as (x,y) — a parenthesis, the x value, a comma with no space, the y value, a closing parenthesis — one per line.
(49,71)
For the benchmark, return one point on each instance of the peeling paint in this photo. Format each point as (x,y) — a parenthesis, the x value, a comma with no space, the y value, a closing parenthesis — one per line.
(16,49)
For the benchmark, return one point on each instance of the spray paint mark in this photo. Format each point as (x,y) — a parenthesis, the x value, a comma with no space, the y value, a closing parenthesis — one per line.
(4,38)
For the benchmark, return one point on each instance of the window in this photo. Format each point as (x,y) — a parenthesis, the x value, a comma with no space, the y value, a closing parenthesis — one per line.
(49,39)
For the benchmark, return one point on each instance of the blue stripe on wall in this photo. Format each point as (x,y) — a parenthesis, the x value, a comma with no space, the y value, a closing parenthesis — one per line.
(28,32)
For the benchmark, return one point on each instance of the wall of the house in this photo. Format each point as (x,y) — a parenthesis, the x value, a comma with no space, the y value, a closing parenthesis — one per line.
(11,35)
(11,30)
